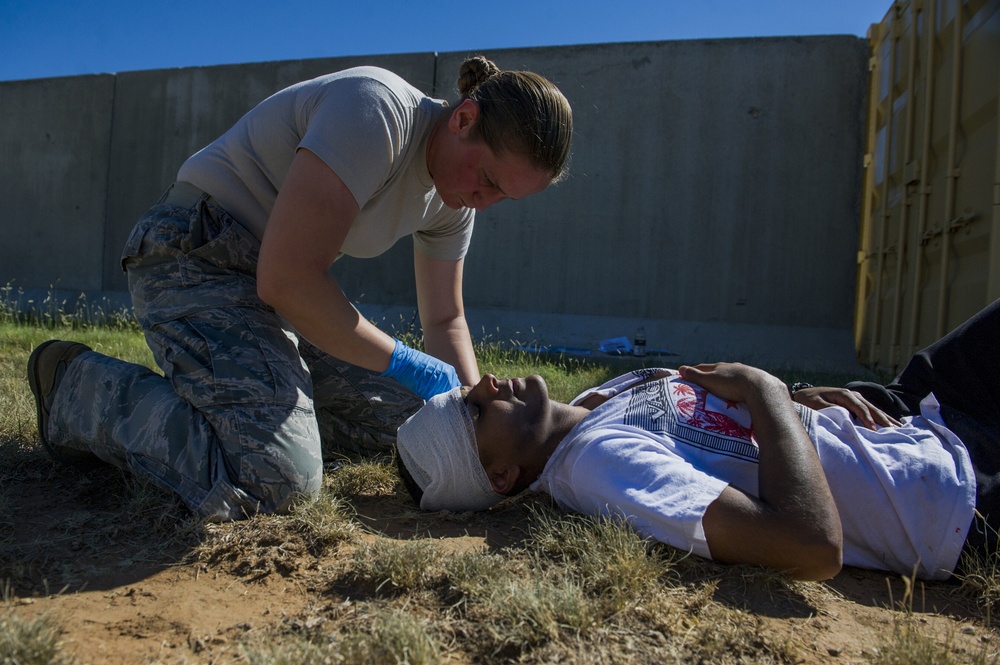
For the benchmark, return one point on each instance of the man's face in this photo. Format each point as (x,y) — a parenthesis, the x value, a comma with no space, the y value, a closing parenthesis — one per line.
(509,416)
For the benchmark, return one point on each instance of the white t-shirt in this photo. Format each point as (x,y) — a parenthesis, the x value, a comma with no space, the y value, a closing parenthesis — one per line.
(369,126)
(659,453)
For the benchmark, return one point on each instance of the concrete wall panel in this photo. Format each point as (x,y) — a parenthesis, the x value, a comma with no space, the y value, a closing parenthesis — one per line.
(710,182)
(54,142)
(163,116)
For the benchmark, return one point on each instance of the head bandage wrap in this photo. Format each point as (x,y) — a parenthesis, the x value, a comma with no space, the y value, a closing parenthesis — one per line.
(438,446)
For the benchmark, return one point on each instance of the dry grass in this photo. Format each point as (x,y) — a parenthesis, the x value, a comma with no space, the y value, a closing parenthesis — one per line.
(387,584)
(30,641)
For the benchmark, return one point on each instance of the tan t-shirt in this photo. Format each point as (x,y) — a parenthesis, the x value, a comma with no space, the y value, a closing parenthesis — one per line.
(369,126)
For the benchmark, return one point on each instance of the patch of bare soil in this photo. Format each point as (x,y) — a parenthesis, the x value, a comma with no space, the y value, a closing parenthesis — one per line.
(148,589)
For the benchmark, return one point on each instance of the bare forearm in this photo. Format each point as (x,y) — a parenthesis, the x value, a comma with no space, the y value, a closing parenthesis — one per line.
(442,315)
(312,214)
(321,313)
(797,513)
(452,343)
(789,467)
(792,523)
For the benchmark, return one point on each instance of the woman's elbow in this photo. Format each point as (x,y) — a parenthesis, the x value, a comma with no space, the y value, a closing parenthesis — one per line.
(274,286)
(268,291)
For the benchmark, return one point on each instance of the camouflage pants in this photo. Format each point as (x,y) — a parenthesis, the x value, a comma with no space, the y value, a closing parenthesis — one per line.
(246,411)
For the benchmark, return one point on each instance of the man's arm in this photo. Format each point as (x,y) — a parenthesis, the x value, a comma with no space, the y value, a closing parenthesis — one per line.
(869,415)
(793,525)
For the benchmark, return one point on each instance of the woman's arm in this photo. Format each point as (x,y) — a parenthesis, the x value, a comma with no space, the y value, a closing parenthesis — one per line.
(793,525)
(442,315)
(311,217)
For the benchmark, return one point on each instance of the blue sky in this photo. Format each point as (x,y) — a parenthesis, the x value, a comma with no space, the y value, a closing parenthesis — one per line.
(45,38)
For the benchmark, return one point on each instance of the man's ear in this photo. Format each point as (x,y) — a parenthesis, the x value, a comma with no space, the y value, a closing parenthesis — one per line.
(503,479)
(463,116)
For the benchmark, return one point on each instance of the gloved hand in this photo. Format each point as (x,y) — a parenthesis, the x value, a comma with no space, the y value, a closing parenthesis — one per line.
(423,374)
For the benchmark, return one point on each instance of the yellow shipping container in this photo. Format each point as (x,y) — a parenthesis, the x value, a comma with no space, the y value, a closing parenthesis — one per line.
(930,222)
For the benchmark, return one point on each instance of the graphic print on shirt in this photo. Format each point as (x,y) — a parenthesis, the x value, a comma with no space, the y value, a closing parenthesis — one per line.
(691,416)
(647,408)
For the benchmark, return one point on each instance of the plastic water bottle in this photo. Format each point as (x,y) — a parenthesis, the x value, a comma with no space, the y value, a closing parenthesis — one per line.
(639,342)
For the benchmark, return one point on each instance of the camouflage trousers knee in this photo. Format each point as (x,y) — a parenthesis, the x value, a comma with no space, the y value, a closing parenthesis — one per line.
(357,410)
(244,412)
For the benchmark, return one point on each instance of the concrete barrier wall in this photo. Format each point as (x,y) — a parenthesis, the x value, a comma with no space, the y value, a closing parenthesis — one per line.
(54,157)
(714,193)
(163,116)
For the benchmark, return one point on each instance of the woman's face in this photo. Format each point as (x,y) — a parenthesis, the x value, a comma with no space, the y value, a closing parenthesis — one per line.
(467,174)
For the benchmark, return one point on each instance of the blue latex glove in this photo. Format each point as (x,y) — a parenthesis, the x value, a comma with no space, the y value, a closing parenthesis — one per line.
(423,374)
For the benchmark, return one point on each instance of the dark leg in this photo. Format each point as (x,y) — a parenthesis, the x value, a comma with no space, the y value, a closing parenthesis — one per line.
(962,369)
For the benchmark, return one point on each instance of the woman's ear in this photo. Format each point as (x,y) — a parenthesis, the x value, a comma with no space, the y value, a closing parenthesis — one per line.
(463,116)
(503,479)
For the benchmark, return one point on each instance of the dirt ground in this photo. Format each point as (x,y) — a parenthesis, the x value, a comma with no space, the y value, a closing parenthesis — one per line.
(131,591)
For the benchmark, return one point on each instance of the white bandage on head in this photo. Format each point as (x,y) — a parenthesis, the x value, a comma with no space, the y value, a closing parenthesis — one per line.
(438,447)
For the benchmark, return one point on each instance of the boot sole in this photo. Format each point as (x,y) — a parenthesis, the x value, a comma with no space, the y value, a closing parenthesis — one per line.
(69,456)
(34,380)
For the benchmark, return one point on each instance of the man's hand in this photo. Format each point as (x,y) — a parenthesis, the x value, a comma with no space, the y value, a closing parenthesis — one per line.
(868,414)
(730,381)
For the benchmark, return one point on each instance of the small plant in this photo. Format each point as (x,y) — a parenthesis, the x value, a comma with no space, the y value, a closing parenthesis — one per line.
(473,575)
(398,566)
(57,311)
(536,610)
(394,638)
(609,559)
(980,571)
(324,520)
(909,644)
(366,478)
(30,641)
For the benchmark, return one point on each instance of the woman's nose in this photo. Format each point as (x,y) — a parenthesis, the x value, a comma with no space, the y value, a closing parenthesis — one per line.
(485,200)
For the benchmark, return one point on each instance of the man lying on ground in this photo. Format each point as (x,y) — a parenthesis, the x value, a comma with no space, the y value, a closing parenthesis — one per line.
(719,461)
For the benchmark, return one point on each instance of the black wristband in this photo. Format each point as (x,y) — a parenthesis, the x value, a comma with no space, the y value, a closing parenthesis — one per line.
(797,386)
